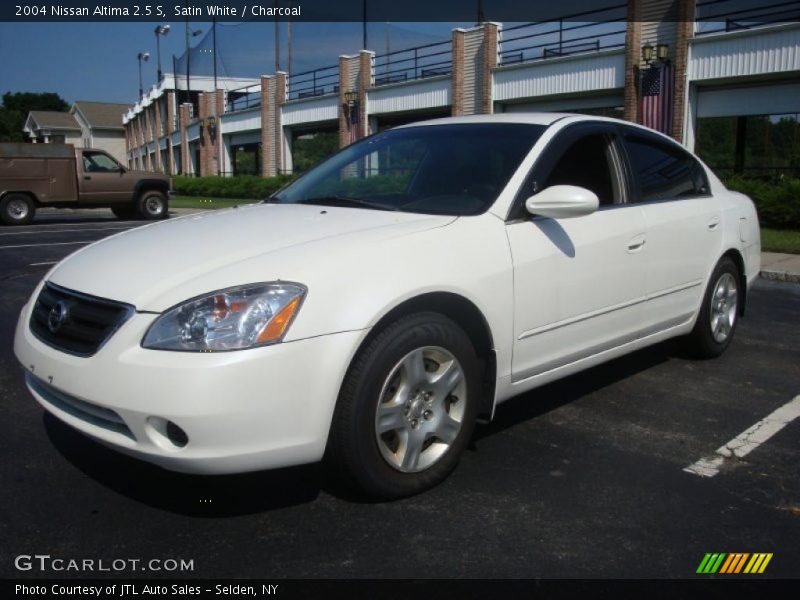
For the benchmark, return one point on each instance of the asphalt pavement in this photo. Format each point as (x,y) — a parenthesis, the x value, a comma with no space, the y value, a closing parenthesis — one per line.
(582,478)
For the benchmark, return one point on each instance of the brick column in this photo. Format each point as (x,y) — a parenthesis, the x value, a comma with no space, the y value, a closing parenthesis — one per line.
(458,73)
(280,141)
(170,100)
(366,79)
(633,54)
(183,115)
(490,53)
(157,132)
(268,145)
(685,27)
(344,124)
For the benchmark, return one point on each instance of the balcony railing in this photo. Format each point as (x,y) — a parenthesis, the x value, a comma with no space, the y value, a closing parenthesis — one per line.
(590,31)
(728,15)
(243,98)
(420,62)
(317,82)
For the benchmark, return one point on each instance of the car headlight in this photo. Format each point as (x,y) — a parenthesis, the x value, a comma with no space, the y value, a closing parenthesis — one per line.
(232,319)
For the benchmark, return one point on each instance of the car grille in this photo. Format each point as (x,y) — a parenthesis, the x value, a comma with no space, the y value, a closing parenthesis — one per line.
(90,413)
(85,322)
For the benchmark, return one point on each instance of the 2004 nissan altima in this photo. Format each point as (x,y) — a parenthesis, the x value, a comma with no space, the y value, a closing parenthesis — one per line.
(372,310)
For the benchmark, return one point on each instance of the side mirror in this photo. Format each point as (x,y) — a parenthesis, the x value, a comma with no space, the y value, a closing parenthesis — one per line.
(563,202)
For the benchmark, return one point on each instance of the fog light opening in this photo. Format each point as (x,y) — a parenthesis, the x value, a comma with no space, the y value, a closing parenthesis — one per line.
(166,434)
(176,435)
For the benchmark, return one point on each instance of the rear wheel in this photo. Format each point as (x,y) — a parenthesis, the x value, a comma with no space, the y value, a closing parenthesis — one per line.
(152,205)
(17,209)
(407,407)
(719,312)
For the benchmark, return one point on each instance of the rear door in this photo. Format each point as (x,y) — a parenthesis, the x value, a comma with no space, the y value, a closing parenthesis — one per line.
(684,229)
(578,282)
(102,179)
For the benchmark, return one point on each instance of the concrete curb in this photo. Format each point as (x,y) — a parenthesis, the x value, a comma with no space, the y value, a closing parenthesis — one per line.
(780,276)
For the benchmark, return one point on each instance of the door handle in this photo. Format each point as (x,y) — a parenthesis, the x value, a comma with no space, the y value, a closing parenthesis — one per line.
(637,243)
(87,176)
(713,224)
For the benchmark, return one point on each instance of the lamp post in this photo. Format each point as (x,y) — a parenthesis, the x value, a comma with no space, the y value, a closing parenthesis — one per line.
(160,30)
(142,57)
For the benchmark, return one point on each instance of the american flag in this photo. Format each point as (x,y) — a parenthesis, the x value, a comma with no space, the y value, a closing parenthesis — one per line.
(656,105)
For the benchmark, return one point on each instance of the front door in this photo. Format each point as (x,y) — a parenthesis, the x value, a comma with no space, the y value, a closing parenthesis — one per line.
(578,282)
(102,179)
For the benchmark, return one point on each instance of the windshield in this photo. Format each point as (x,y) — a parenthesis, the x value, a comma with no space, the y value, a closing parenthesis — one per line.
(439,169)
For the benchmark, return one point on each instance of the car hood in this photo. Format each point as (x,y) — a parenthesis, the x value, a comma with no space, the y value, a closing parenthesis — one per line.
(141,265)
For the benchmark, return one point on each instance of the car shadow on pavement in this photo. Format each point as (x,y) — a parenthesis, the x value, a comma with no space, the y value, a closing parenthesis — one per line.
(191,495)
(540,401)
(249,493)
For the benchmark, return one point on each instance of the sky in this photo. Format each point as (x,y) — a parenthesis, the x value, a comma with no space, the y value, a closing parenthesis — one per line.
(97,61)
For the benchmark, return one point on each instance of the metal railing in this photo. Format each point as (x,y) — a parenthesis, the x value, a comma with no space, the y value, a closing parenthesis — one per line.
(420,62)
(316,82)
(243,98)
(726,15)
(602,29)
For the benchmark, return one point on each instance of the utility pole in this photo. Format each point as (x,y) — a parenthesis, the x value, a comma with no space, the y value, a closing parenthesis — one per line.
(277,40)
(364,28)
(289,43)
(214,45)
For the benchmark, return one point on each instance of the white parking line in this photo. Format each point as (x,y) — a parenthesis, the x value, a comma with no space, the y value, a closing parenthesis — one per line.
(34,232)
(48,244)
(747,441)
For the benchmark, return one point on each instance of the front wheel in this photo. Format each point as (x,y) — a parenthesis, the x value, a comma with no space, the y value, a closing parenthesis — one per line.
(152,205)
(407,407)
(17,209)
(719,312)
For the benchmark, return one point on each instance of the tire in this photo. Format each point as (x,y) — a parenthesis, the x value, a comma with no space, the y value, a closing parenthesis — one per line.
(17,209)
(719,313)
(124,212)
(152,205)
(398,429)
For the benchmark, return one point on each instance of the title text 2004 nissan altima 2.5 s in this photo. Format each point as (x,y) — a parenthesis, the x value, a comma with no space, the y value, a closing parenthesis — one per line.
(372,310)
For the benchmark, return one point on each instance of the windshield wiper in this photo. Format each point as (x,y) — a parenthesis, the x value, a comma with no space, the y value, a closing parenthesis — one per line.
(272,200)
(346,201)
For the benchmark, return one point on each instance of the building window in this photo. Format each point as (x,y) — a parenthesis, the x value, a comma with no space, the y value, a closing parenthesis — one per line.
(247,159)
(764,146)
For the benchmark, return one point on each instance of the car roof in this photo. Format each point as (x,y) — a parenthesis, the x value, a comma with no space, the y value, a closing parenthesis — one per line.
(530,118)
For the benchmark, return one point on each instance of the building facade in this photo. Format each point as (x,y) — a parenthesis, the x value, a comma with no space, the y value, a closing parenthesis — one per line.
(719,79)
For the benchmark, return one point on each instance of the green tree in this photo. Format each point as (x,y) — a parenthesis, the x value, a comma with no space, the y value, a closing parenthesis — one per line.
(17,105)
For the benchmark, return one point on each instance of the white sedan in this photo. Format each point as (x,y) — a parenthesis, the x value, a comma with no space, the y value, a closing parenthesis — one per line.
(370,312)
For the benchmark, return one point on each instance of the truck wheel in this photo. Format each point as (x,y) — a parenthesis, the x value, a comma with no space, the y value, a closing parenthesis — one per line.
(124,212)
(17,209)
(152,205)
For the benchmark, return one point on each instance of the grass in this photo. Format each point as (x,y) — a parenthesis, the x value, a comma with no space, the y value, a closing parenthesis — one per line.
(772,240)
(206,202)
(780,240)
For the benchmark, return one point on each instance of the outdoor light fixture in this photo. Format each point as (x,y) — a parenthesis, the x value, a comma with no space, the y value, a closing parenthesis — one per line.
(648,53)
(143,57)
(350,97)
(160,30)
(651,53)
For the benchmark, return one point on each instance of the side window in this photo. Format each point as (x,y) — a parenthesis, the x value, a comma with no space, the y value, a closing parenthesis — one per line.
(587,164)
(664,171)
(97,162)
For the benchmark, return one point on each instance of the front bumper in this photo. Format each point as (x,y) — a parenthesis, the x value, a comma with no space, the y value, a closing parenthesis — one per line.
(241,411)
